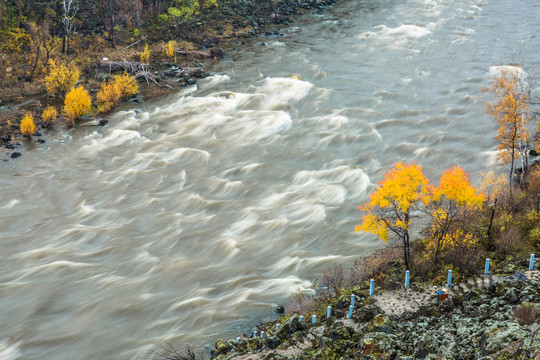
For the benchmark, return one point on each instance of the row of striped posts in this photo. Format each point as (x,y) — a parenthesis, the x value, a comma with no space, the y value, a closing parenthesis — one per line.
(449,282)
(372,290)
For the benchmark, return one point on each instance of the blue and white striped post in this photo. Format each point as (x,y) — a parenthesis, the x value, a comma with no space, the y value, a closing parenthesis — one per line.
(352,300)
(350,311)
(371,287)
(301,318)
(407,277)
(531,262)
(277,326)
(262,334)
(449,278)
(313,319)
(486,269)
(328,312)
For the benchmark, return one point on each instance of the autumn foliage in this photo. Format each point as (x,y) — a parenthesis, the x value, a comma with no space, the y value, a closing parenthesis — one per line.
(449,203)
(108,96)
(49,114)
(169,51)
(76,104)
(389,209)
(126,84)
(512,115)
(27,125)
(405,191)
(145,55)
(120,86)
(62,77)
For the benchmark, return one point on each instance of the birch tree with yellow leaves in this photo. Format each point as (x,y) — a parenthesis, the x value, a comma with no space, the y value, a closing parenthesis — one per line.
(512,115)
(388,213)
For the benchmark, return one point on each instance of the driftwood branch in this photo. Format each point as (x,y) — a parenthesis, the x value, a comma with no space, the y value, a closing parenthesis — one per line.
(150,77)
(124,65)
(136,42)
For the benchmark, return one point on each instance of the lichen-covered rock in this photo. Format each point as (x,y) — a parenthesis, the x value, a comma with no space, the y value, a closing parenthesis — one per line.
(512,295)
(288,328)
(366,313)
(221,347)
(500,336)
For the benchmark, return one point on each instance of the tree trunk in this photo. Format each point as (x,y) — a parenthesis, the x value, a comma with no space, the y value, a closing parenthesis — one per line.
(111,20)
(491,219)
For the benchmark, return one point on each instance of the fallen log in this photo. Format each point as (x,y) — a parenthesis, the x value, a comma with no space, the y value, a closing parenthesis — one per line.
(202,54)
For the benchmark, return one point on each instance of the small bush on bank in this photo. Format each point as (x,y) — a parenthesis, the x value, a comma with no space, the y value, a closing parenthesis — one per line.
(108,96)
(145,55)
(76,104)
(27,125)
(127,85)
(62,77)
(49,114)
(525,314)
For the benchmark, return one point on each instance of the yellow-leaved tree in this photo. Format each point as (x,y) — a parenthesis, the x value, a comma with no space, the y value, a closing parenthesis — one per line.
(169,51)
(76,104)
(49,114)
(108,96)
(127,84)
(27,125)
(512,115)
(389,210)
(450,201)
(62,77)
(145,55)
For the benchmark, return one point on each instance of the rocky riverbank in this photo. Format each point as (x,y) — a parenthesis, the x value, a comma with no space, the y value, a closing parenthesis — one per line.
(494,317)
(210,43)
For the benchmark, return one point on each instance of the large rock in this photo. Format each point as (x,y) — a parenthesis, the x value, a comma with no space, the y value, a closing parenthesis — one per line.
(288,328)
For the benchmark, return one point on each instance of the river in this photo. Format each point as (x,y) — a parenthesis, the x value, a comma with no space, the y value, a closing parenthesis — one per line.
(192,216)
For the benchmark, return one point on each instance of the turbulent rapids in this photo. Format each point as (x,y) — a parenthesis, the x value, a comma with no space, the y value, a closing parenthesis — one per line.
(191,216)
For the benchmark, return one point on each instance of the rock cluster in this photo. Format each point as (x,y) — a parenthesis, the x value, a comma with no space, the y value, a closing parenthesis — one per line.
(480,323)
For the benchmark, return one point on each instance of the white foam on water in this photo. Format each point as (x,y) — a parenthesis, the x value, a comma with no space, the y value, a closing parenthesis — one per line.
(10,205)
(514,71)
(491,157)
(275,44)
(213,80)
(9,351)
(398,37)
(117,137)
(282,91)
(331,121)
(251,126)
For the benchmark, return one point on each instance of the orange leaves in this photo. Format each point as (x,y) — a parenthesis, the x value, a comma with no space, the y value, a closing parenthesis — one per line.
(389,206)
(512,114)
(405,188)
(454,186)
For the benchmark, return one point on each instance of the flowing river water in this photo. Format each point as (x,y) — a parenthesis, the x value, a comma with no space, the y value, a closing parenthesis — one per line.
(190,217)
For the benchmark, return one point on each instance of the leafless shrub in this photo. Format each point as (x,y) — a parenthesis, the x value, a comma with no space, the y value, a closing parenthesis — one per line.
(332,281)
(509,241)
(301,302)
(374,265)
(169,352)
(525,314)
